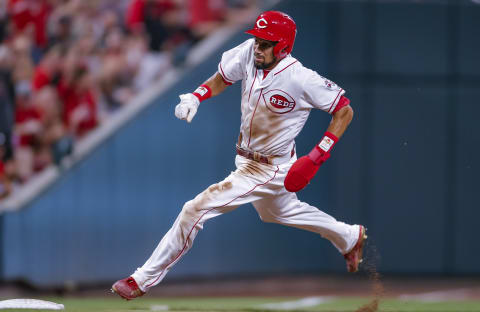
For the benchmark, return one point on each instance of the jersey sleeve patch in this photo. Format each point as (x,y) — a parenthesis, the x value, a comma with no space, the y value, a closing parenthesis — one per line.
(321,92)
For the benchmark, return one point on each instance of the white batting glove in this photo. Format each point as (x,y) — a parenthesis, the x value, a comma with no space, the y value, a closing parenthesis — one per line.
(187,108)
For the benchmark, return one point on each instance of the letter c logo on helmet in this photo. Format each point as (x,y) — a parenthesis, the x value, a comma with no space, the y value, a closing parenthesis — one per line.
(262,20)
(281,29)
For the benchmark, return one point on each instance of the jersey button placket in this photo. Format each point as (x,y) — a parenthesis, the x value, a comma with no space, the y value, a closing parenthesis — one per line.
(253,116)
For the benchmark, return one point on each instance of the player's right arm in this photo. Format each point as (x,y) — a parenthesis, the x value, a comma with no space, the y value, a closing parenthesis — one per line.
(230,69)
(188,106)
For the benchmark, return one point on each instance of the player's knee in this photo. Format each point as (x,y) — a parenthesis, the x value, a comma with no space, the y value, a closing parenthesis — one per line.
(191,208)
(188,206)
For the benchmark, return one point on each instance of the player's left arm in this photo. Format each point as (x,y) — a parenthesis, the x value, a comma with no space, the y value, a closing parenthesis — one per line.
(340,121)
(305,168)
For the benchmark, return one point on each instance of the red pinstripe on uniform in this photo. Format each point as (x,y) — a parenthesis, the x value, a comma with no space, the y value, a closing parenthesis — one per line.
(230,81)
(189,233)
(335,100)
(286,67)
(252,85)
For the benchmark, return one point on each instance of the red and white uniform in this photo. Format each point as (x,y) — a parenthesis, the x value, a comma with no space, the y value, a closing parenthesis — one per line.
(274,110)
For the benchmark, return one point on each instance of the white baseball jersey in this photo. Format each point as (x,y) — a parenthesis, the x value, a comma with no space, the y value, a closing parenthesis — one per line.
(275,109)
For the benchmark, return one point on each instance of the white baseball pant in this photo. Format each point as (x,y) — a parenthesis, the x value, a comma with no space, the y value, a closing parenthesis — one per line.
(252,182)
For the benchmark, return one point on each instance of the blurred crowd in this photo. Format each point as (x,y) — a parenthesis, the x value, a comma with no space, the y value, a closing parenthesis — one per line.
(65,65)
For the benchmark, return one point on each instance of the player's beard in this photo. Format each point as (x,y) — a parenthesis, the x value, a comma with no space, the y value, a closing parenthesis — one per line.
(264,65)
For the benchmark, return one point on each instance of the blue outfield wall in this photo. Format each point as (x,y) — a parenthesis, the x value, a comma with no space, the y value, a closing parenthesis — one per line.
(407,167)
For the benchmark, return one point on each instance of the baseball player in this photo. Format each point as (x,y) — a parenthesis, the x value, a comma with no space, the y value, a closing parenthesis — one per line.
(278,93)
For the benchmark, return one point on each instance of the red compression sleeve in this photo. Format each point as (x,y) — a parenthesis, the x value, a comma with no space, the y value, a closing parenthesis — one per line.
(203,92)
(321,152)
(344,101)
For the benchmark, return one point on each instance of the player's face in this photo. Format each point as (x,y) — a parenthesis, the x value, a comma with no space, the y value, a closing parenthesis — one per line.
(263,54)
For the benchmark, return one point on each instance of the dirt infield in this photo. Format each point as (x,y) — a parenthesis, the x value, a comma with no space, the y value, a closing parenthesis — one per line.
(360,284)
(375,290)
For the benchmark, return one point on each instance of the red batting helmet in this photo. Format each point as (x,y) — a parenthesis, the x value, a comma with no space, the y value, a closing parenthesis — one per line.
(276,26)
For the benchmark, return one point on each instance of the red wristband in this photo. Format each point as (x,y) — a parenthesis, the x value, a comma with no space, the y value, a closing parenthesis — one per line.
(203,92)
(321,152)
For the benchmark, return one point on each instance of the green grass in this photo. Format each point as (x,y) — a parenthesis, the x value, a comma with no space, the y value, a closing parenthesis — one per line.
(347,304)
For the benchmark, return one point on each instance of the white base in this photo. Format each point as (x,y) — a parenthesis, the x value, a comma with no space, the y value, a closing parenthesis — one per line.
(30,304)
